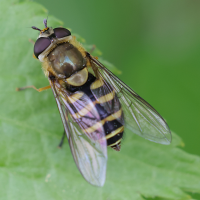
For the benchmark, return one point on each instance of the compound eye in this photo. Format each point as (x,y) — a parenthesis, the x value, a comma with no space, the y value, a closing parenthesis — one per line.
(41,44)
(61,32)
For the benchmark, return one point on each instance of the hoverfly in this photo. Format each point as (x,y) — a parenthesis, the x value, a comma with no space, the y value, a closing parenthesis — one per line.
(93,103)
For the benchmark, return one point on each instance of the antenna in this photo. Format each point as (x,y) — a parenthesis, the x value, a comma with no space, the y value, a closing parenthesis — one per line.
(45,23)
(35,28)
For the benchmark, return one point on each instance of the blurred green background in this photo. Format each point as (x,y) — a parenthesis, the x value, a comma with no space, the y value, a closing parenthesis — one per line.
(156,45)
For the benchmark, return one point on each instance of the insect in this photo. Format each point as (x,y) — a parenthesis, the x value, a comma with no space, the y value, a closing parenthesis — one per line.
(94,104)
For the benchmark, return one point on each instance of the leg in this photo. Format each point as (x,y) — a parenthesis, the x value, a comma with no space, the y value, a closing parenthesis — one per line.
(62,140)
(31,41)
(92,49)
(32,86)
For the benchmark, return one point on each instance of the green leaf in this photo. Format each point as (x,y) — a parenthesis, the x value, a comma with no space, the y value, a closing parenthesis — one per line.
(31,165)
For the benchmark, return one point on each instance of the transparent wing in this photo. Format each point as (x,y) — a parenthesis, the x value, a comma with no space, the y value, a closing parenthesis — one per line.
(140,117)
(85,133)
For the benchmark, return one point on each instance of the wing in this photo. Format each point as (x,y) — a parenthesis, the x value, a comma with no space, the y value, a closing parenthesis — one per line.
(140,117)
(85,133)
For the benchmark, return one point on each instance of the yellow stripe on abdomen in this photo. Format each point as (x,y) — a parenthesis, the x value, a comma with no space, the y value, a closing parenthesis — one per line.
(114,144)
(107,97)
(102,122)
(81,113)
(75,97)
(115,132)
(97,84)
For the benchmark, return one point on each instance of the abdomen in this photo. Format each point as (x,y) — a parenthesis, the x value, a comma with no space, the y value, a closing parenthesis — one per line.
(109,109)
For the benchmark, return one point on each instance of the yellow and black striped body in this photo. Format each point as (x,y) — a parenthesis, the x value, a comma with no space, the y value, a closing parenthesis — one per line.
(108,108)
